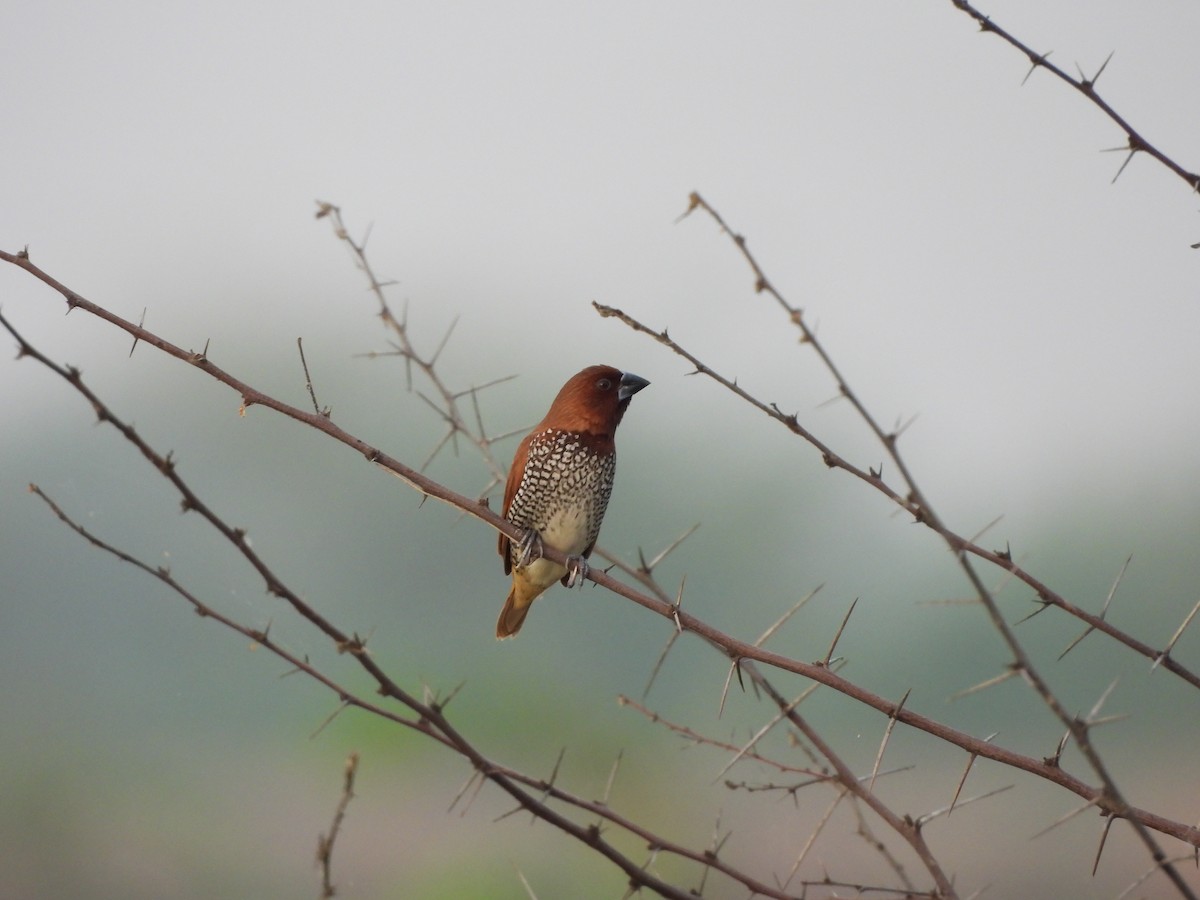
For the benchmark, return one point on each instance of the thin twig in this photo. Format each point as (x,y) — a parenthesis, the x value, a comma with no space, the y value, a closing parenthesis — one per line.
(1135,143)
(325,842)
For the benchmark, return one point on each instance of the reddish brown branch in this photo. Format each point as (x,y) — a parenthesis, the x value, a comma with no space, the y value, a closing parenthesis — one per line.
(915,500)
(430,719)
(731,647)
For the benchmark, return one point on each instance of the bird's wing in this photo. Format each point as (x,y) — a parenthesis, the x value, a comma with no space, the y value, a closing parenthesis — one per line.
(515,471)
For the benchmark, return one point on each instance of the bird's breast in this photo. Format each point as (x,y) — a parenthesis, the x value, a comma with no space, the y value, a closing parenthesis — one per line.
(568,528)
(564,490)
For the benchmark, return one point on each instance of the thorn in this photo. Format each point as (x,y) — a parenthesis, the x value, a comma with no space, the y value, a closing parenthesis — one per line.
(141,323)
(837,637)
(1088,85)
(670,547)
(887,736)
(662,658)
(612,776)
(1123,165)
(466,784)
(438,705)
(1045,605)
(812,837)
(1035,61)
(923,820)
(985,529)
(1175,637)
(557,763)
(1104,610)
(984,685)
(962,781)
(1095,710)
(333,715)
(525,883)
(1071,646)
(787,615)
(1064,819)
(694,202)
(1103,835)
(754,739)
(902,427)
(1058,752)
(1103,66)
(725,690)
(711,854)
(442,345)
(678,604)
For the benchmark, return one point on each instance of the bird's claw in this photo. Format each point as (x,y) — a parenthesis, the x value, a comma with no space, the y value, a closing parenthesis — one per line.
(577,571)
(529,549)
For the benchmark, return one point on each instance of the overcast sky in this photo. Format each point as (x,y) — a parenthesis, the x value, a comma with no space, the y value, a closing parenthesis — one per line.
(954,234)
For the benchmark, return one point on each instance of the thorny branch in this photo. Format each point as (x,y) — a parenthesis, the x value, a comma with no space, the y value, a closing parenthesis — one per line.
(428,717)
(1087,86)
(450,406)
(733,648)
(915,502)
(912,502)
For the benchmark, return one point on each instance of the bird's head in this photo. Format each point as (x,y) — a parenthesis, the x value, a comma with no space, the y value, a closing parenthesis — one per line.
(594,400)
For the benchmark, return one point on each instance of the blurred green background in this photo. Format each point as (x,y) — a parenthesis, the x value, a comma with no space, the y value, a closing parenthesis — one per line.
(954,239)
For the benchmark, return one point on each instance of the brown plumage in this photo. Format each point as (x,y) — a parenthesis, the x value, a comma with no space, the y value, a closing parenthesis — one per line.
(559,485)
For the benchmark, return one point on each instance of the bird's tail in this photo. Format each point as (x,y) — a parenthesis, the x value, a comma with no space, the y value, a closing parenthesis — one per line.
(513,614)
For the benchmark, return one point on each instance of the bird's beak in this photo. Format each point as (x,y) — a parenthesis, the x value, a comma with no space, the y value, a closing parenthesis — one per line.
(630,385)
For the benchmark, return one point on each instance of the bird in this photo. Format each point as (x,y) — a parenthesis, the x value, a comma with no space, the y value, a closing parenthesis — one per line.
(559,484)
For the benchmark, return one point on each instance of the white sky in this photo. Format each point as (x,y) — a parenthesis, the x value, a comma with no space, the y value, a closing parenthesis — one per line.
(954,234)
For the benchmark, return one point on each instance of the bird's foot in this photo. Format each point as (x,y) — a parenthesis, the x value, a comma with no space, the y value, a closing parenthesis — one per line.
(577,571)
(530,548)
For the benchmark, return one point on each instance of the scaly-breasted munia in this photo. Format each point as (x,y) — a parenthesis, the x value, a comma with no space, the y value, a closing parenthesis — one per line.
(559,485)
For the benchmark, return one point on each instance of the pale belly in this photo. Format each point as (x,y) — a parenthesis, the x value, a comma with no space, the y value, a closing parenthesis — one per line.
(565,531)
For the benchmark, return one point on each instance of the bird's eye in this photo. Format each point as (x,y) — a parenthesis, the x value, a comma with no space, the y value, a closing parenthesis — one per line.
(604,384)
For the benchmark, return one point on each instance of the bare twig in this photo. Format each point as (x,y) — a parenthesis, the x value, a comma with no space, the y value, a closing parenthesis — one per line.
(919,504)
(325,842)
(428,718)
(1135,143)
(447,404)
(428,712)
(732,648)
(308,381)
